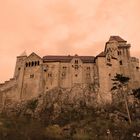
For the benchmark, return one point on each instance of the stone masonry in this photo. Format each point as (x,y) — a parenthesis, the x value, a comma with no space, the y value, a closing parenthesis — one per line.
(35,75)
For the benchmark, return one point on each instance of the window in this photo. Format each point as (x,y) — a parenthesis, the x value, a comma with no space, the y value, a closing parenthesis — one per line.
(64,67)
(38,62)
(121,62)
(76,61)
(63,74)
(137,68)
(29,64)
(49,74)
(32,76)
(76,75)
(76,67)
(26,64)
(19,68)
(88,75)
(32,63)
(88,68)
(35,63)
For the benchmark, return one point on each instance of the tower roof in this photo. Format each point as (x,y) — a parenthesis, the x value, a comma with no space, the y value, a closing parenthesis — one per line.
(23,54)
(117,38)
(102,54)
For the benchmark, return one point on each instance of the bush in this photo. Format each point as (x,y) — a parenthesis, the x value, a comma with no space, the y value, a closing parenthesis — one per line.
(32,104)
(53,132)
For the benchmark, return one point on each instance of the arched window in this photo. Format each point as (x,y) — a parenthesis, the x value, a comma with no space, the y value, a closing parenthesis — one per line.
(26,64)
(121,62)
(35,63)
(32,63)
(38,62)
(76,61)
(29,64)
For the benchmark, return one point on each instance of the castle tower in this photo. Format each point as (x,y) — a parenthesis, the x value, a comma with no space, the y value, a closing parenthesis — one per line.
(19,71)
(129,66)
(19,64)
(118,48)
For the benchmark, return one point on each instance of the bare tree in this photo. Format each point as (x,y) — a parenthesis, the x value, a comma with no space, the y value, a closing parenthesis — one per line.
(121,85)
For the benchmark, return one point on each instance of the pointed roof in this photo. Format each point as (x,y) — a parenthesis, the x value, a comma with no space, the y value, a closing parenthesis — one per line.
(116,38)
(34,54)
(24,54)
(102,54)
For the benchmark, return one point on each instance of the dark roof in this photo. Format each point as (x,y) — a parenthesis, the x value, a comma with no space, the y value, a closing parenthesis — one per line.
(102,54)
(57,58)
(117,38)
(87,59)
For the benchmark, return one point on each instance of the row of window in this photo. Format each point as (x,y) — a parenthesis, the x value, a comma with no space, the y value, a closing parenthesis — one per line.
(33,63)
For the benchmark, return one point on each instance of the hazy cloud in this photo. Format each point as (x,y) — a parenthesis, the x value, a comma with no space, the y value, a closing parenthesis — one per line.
(64,27)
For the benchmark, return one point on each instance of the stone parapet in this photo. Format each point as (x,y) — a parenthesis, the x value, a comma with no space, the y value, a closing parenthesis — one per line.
(7,84)
(134,59)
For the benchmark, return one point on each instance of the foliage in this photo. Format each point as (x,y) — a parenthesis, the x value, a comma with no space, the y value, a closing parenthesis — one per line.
(120,84)
(93,125)
(119,81)
(136,93)
(53,132)
(32,104)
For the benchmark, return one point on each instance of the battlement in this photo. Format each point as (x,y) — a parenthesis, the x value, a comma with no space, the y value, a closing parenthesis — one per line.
(7,84)
(124,45)
(134,59)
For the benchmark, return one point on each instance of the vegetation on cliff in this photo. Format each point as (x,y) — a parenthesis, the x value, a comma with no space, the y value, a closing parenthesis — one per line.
(62,114)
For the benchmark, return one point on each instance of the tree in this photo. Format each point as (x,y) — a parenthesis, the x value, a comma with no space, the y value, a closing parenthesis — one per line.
(121,85)
(136,93)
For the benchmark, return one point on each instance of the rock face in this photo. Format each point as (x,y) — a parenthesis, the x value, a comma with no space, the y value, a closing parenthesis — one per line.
(54,100)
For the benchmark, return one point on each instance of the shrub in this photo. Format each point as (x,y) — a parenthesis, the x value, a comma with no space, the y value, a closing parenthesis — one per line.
(32,104)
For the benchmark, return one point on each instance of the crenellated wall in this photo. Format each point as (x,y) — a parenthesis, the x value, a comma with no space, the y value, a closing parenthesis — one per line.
(8,92)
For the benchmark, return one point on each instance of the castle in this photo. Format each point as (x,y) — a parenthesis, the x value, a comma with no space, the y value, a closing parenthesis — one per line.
(35,75)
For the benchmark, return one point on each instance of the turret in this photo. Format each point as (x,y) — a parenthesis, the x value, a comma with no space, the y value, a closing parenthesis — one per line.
(19,72)
(20,63)
(120,49)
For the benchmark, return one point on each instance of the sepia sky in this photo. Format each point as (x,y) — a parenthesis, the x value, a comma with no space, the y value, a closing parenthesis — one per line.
(64,27)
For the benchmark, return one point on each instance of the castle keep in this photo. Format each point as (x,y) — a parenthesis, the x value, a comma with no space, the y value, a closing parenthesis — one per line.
(35,75)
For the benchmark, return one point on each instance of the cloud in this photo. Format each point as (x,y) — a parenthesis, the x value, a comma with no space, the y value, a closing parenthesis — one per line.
(64,27)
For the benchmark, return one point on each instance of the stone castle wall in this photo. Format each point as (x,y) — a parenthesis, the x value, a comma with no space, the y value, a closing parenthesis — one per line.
(34,76)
